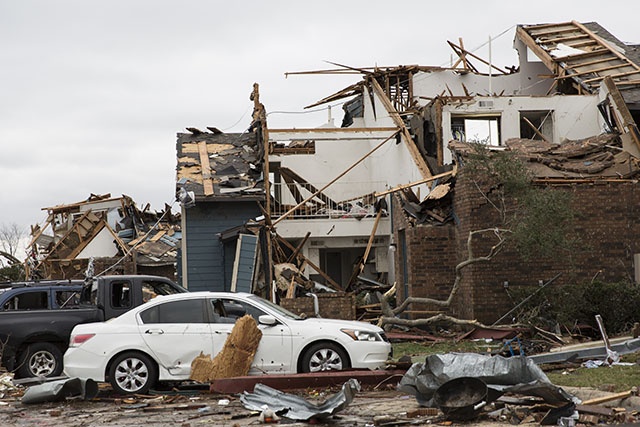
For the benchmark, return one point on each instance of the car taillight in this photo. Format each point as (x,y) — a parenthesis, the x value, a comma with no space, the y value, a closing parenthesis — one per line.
(79,339)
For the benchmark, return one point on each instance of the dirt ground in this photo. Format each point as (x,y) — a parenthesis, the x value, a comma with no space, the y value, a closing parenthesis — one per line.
(198,408)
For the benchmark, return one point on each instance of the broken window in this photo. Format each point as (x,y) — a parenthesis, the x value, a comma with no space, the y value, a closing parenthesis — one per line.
(121,295)
(67,299)
(476,129)
(536,125)
(28,301)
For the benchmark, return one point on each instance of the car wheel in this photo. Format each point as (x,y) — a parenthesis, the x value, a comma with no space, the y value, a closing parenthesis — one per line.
(132,373)
(40,359)
(325,356)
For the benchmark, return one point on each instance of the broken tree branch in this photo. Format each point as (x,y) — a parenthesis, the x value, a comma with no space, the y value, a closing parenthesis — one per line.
(390,316)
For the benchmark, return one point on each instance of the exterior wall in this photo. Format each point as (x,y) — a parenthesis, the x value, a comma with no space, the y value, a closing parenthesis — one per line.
(433,83)
(101,245)
(336,152)
(574,116)
(205,266)
(607,224)
(425,262)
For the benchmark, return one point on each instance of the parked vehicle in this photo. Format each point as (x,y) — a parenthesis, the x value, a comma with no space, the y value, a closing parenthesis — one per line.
(158,341)
(36,318)
(41,295)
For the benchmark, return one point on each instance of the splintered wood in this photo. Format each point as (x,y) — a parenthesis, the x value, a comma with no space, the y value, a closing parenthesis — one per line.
(236,356)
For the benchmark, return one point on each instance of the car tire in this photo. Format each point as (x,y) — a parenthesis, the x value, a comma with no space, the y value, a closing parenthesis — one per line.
(325,356)
(41,359)
(133,372)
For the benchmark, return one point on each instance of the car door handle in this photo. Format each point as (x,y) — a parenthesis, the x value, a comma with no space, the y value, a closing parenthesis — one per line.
(154,331)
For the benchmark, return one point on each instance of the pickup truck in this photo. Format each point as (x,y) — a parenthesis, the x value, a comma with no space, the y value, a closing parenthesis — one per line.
(36,318)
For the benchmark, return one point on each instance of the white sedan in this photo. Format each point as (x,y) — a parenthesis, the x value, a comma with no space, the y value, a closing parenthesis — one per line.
(158,340)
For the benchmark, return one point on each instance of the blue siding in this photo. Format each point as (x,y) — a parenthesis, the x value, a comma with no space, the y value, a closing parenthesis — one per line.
(208,267)
(246,262)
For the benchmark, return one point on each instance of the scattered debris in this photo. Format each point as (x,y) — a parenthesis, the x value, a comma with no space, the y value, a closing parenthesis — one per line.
(297,408)
(60,390)
(115,231)
(475,380)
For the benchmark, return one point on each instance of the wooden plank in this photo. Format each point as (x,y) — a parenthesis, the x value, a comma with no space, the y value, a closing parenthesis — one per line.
(293,209)
(595,70)
(605,44)
(312,265)
(273,132)
(608,398)
(613,76)
(205,166)
(158,235)
(544,56)
(535,129)
(629,124)
(406,136)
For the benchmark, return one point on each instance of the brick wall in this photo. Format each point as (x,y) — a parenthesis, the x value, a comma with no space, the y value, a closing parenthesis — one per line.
(336,305)
(607,223)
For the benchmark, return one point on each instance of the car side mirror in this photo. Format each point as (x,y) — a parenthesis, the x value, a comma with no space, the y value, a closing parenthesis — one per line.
(268,320)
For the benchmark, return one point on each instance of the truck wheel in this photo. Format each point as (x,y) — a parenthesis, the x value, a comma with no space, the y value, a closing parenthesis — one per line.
(132,373)
(42,359)
(325,356)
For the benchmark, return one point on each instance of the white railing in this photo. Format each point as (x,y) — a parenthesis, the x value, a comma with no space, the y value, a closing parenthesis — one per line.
(340,200)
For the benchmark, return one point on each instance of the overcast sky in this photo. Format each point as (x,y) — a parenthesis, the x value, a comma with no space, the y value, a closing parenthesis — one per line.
(92,93)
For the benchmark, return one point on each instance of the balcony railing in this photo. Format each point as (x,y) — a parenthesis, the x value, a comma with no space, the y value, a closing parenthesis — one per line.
(340,200)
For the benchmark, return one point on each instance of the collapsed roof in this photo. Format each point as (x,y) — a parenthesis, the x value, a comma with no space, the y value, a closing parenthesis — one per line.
(101,227)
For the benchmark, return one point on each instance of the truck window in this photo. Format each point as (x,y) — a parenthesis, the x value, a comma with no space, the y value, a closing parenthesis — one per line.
(67,299)
(121,295)
(156,287)
(148,292)
(28,301)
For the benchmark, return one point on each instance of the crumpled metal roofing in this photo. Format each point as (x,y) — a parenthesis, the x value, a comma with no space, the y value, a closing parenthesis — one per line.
(295,407)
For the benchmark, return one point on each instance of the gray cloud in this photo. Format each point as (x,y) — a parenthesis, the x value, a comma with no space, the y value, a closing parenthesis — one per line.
(92,93)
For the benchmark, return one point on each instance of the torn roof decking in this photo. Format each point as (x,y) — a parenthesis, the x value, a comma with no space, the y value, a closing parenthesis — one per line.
(584,53)
(219,166)
(591,159)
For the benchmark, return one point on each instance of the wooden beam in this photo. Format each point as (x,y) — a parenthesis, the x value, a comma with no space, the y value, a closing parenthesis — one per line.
(312,265)
(595,70)
(371,238)
(613,76)
(293,209)
(544,56)
(296,251)
(620,107)
(479,59)
(404,132)
(535,129)
(604,44)
(413,184)
(205,167)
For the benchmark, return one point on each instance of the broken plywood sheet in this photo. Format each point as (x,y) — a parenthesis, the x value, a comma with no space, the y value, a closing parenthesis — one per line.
(209,164)
(192,148)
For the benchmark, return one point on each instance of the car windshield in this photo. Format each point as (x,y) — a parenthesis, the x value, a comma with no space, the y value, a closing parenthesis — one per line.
(275,307)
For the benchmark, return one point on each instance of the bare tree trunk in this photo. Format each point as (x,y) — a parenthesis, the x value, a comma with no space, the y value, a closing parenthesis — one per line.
(390,316)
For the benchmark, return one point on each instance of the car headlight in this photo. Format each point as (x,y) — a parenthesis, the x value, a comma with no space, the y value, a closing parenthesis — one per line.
(358,335)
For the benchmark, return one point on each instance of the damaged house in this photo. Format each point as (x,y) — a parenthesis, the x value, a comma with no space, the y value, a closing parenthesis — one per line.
(106,234)
(377,200)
